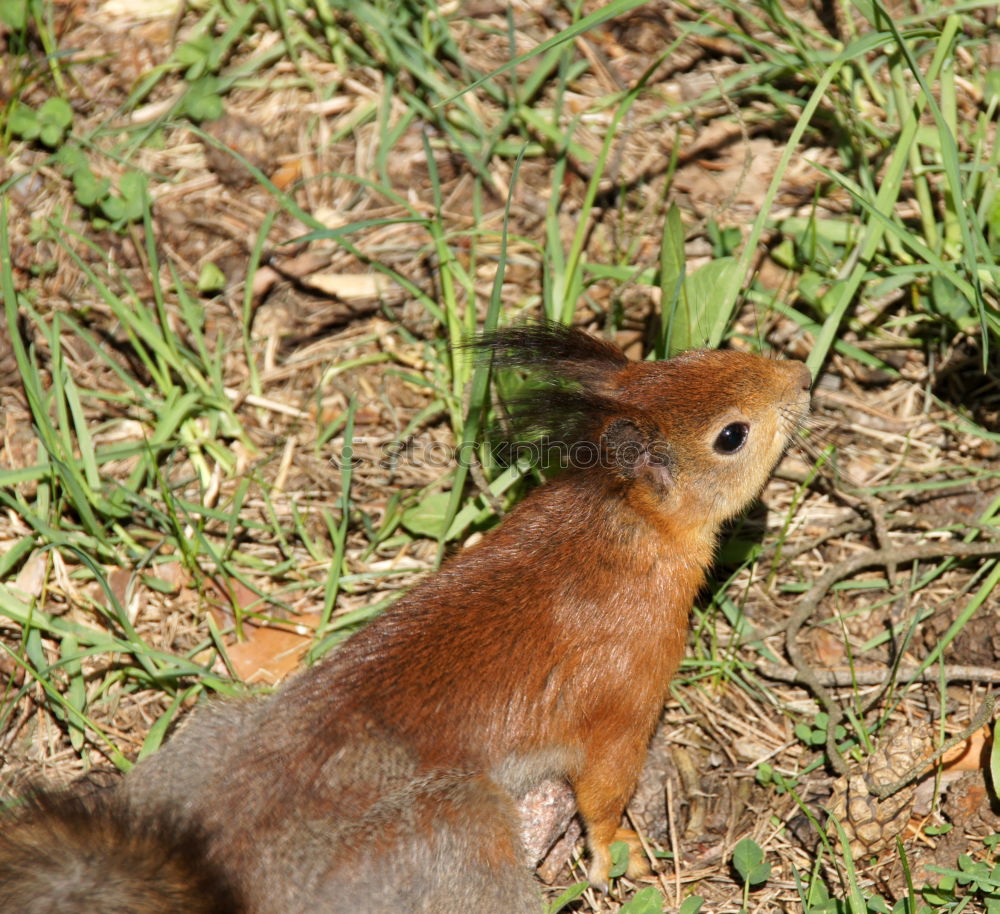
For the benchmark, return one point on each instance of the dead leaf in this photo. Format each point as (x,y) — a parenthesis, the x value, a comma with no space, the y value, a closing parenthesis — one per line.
(349,286)
(972,755)
(271,652)
(829,648)
(31,577)
(286,175)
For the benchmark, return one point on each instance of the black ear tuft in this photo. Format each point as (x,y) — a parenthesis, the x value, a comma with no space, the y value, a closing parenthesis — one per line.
(558,350)
(571,397)
(633,449)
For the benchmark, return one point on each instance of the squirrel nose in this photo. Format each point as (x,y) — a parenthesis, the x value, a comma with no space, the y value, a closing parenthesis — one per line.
(804,379)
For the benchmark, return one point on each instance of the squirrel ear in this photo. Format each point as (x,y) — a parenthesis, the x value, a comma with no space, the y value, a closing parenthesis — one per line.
(635,450)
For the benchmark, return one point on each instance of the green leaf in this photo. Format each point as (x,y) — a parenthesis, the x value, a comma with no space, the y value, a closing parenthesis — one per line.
(132,187)
(993,222)
(195,55)
(205,107)
(211,278)
(428,517)
(938,896)
(89,189)
(155,736)
(803,732)
(51,135)
(24,122)
(113,207)
(14,14)
(748,859)
(952,304)
(709,315)
(691,905)
(71,158)
(696,314)
(646,901)
(571,894)
(619,859)
(12,557)
(48,123)
(56,111)
(160,585)
(202,101)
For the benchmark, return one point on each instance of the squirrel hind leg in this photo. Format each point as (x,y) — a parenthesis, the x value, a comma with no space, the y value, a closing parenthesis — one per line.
(450,844)
(64,853)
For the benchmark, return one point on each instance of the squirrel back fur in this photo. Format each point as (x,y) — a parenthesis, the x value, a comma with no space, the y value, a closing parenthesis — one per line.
(385,778)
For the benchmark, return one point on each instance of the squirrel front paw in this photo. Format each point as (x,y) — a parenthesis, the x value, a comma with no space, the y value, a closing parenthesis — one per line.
(600,863)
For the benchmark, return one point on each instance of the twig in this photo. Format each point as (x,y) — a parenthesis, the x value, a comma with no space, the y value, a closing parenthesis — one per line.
(672,825)
(895,610)
(845,678)
(851,525)
(984,714)
(810,602)
(483,484)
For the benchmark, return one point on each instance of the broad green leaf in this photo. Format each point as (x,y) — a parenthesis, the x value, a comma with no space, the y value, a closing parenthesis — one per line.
(571,894)
(645,901)
(619,859)
(14,14)
(747,857)
(428,517)
(691,905)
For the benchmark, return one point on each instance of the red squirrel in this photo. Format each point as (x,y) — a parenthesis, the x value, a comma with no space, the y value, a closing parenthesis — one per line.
(385,778)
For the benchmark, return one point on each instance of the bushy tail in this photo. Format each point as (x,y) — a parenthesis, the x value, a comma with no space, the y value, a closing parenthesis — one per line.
(65,854)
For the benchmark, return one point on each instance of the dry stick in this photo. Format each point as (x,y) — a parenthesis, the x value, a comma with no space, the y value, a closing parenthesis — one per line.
(902,597)
(852,525)
(810,602)
(920,522)
(647,850)
(672,825)
(875,677)
(483,484)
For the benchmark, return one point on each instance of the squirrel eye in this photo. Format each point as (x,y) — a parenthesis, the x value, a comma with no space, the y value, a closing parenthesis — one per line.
(732,438)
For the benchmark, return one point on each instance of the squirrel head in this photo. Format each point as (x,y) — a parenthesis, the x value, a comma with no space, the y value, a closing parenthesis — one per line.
(697,434)
(715,423)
